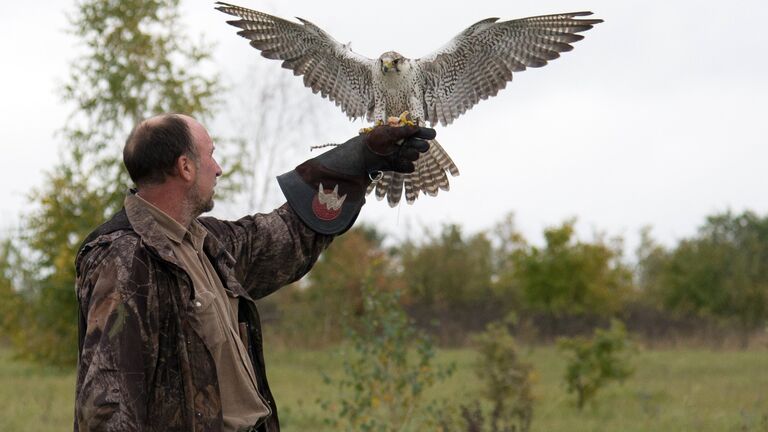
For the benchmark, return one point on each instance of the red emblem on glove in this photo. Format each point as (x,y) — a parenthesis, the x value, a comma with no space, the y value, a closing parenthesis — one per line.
(327,204)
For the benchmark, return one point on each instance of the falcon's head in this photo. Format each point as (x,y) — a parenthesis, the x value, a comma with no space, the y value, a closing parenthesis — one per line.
(392,61)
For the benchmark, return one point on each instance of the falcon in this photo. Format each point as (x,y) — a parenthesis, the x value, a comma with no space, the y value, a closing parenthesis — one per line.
(438,88)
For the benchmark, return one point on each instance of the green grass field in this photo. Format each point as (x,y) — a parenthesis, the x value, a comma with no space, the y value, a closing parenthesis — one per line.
(681,390)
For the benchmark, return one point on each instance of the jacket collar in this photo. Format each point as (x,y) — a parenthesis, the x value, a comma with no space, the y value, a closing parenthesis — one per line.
(147,227)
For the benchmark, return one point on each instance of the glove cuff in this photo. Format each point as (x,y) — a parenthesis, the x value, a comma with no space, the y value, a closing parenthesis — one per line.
(327,201)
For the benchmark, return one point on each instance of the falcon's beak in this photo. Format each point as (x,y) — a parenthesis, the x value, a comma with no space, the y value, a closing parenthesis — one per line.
(387,65)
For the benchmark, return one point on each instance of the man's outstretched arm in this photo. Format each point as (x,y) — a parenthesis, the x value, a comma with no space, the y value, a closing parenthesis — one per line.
(325,195)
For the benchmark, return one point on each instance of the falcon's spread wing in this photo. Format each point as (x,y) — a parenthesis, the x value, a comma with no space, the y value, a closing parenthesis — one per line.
(328,67)
(479,62)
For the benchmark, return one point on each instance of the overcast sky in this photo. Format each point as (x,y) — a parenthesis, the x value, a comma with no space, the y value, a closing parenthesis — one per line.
(656,118)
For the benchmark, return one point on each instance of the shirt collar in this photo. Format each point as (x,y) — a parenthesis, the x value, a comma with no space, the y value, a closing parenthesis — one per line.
(175,231)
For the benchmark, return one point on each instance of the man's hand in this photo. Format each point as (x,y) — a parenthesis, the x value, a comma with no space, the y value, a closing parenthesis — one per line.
(395,148)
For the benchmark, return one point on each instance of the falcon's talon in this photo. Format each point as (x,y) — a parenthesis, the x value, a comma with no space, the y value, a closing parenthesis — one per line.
(405,119)
(366,130)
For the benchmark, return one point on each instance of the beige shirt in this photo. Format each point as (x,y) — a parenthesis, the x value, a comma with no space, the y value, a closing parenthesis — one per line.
(215,321)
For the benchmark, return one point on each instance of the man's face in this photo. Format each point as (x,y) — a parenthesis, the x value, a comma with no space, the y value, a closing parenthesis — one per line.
(201,194)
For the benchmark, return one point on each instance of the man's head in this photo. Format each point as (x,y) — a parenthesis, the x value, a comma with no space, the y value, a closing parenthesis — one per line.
(174,153)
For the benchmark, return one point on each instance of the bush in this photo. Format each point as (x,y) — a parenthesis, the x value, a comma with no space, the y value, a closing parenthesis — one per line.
(506,379)
(382,387)
(593,363)
(506,385)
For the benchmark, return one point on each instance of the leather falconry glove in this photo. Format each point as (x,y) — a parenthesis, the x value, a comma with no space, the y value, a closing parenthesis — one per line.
(328,191)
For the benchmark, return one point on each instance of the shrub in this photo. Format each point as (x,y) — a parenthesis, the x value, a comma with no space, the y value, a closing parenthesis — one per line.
(382,387)
(506,385)
(593,363)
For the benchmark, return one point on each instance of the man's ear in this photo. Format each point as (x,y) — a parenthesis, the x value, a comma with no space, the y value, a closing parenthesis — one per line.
(186,167)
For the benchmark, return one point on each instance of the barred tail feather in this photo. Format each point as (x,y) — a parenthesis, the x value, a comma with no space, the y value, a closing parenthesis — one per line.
(441,157)
(395,189)
(431,175)
(410,191)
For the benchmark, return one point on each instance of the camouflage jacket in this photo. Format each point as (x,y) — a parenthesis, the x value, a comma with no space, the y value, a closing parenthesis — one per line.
(141,365)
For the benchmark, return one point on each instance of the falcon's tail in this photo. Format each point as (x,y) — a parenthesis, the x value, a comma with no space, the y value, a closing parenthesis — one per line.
(429,177)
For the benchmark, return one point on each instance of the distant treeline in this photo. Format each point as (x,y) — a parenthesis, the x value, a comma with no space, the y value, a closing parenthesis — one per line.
(711,288)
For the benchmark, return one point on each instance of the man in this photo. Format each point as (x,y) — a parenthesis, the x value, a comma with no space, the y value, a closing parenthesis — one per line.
(169,336)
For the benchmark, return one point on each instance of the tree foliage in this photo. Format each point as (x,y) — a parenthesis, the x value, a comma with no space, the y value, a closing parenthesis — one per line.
(568,276)
(10,301)
(136,61)
(448,270)
(507,243)
(312,312)
(720,272)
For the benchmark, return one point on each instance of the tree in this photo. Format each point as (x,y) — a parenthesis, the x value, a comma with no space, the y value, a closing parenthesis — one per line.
(449,271)
(568,276)
(650,260)
(274,119)
(449,283)
(507,242)
(312,312)
(721,272)
(137,61)
(10,301)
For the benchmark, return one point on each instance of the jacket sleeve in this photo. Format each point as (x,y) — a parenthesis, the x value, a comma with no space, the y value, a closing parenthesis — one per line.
(120,341)
(270,250)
